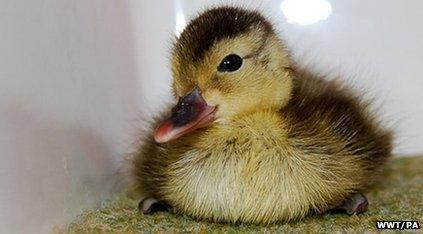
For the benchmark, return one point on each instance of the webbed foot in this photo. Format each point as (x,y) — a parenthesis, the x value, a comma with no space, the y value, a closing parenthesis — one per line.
(357,203)
(150,205)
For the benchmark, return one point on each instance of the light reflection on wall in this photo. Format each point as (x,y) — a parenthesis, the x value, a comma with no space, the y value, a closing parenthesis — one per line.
(305,12)
(180,18)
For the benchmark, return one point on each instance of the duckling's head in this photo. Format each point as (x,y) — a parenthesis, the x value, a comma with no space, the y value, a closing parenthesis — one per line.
(228,62)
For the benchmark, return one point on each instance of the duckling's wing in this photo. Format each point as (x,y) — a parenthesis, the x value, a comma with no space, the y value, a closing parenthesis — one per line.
(337,119)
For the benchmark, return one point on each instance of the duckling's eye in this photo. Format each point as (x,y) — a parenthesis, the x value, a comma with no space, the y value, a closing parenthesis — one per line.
(230,63)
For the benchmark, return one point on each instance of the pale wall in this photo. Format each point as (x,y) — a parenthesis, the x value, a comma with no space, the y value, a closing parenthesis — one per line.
(77,76)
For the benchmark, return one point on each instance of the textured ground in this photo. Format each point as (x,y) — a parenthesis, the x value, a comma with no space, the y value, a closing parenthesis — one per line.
(399,197)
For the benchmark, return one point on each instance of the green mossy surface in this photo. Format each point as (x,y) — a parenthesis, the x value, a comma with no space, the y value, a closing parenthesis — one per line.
(398,197)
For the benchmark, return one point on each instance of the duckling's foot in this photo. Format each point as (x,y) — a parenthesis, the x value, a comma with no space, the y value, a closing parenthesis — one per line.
(355,204)
(150,205)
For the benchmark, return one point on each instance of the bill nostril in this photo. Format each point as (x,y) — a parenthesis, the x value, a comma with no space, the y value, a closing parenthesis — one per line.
(188,108)
(184,113)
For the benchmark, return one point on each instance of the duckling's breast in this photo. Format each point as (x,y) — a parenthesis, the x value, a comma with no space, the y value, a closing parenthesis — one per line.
(252,171)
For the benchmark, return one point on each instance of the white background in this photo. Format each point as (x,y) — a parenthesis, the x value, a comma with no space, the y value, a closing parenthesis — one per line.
(77,77)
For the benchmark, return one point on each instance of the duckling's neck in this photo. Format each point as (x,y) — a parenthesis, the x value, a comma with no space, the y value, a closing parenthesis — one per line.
(253,130)
(266,123)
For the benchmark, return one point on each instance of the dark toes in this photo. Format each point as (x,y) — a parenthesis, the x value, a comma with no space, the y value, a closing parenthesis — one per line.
(361,207)
(150,205)
(355,204)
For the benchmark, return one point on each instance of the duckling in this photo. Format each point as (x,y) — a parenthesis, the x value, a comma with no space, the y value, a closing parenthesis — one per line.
(253,138)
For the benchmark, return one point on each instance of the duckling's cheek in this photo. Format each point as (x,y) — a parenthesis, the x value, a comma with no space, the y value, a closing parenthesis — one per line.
(212,97)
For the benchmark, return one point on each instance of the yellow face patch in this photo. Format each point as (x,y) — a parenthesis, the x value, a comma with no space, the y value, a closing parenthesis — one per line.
(261,82)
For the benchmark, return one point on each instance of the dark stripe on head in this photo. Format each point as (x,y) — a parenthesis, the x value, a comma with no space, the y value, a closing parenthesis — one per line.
(213,25)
